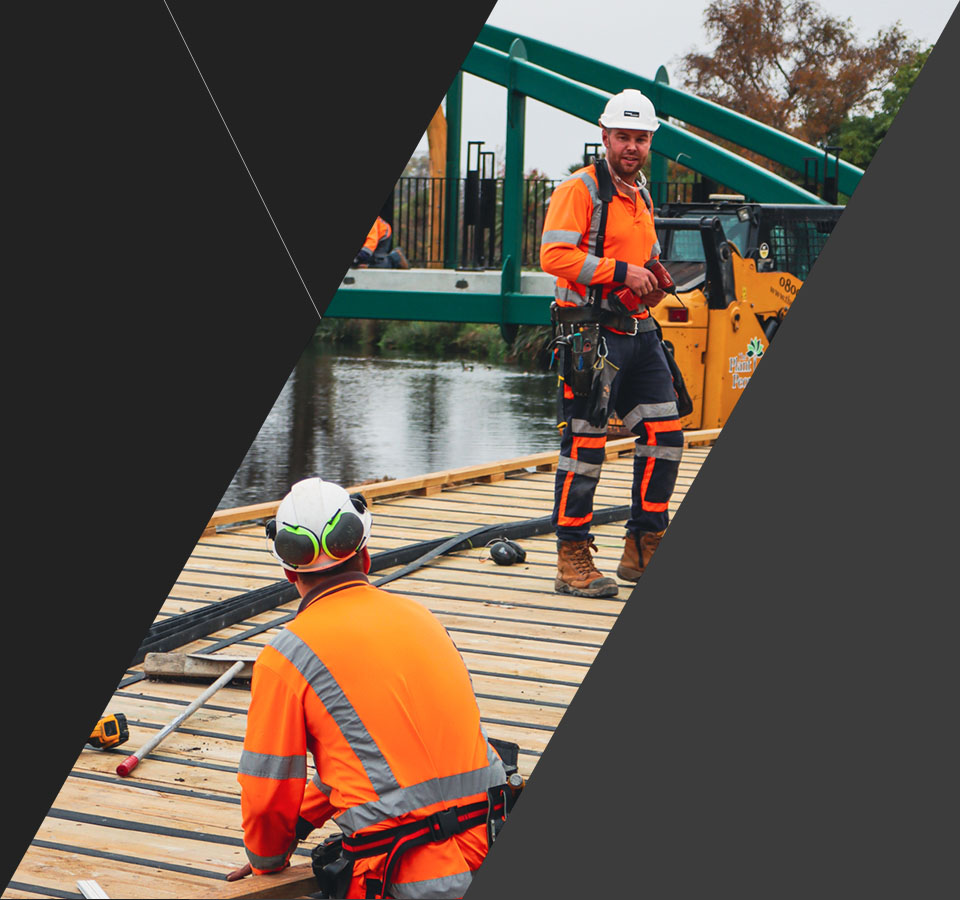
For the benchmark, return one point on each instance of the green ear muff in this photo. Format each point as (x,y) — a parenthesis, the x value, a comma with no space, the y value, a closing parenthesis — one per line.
(296,546)
(342,535)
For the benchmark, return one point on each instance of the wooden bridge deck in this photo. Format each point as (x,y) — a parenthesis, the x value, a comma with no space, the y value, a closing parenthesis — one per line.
(172,828)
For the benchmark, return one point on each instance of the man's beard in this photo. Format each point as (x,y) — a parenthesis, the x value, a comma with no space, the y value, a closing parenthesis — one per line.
(621,170)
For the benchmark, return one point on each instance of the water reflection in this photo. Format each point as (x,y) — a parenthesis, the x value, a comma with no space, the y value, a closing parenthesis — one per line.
(351,418)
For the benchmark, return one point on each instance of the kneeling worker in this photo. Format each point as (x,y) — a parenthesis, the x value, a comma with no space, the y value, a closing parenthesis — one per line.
(370,684)
(376,251)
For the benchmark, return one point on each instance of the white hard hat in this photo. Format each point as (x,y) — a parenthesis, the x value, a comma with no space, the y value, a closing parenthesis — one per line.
(318,525)
(630,109)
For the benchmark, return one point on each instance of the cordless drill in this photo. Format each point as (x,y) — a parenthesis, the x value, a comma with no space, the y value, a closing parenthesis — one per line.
(664,282)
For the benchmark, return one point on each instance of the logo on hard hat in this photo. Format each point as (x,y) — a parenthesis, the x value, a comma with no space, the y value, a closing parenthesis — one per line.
(632,112)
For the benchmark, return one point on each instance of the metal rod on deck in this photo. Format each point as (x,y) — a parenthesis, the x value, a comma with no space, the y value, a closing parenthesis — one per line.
(132,761)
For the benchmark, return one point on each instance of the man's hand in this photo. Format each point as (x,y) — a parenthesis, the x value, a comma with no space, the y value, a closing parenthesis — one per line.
(246,870)
(653,298)
(243,872)
(642,281)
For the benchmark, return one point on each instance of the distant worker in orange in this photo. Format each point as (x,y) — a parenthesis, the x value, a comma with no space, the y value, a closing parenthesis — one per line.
(600,242)
(371,686)
(376,251)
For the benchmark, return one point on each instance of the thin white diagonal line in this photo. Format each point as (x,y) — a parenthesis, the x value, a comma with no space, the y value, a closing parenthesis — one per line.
(249,173)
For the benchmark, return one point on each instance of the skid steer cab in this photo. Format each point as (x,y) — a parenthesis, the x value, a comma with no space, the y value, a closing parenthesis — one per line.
(737,267)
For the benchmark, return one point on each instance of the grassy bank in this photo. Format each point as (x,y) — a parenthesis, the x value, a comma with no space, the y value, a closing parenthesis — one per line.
(441,339)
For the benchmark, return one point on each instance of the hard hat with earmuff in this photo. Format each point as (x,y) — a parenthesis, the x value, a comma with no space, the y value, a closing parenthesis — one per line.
(318,526)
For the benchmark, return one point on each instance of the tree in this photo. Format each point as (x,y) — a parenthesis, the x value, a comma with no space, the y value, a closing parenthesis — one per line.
(791,65)
(859,136)
(418,166)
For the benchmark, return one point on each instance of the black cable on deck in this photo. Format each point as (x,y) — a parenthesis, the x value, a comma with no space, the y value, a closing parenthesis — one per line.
(186,627)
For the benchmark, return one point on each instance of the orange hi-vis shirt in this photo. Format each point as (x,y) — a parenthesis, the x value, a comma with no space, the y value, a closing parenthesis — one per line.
(371,685)
(377,233)
(570,233)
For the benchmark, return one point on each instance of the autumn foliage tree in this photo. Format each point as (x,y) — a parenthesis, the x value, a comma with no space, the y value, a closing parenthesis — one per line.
(791,65)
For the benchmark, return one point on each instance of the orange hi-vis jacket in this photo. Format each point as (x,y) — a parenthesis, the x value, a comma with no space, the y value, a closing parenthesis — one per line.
(570,233)
(380,231)
(372,686)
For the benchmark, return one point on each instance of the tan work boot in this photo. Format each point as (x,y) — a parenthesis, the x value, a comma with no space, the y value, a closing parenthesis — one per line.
(399,259)
(576,573)
(637,551)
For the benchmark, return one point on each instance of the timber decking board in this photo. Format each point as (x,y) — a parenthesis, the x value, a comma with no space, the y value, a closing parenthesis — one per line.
(172,828)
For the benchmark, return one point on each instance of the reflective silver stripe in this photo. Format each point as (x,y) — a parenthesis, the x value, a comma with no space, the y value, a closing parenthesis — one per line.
(266,765)
(564,237)
(325,788)
(269,862)
(647,199)
(569,296)
(674,453)
(582,426)
(492,756)
(589,267)
(445,887)
(650,411)
(591,470)
(331,695)
(404,800)
(655,250)
(587,179)
(597,210)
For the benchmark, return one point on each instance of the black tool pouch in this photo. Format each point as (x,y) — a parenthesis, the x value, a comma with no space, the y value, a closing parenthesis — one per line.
(684,400)
(332,870)
(582,344)
(604,371)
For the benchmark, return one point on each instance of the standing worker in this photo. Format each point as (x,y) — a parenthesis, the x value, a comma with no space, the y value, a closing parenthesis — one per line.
(373,687)
(598,239)
(376,251)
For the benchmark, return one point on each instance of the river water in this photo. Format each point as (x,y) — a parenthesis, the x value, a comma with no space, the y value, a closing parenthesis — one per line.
(349,419)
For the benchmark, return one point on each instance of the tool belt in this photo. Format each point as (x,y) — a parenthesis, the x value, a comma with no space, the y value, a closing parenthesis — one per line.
(333,859)
(581,359)
(581,351)
(575,315)
(331,868)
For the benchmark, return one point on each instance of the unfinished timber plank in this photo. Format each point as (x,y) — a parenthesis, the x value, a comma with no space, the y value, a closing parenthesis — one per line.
(435,480)
(59,869)
(295,881)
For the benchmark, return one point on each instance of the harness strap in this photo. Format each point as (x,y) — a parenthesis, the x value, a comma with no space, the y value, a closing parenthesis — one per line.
(605,193)
(396,841)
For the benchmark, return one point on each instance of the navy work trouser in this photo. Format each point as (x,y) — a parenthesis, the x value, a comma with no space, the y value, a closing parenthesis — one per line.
(642,394)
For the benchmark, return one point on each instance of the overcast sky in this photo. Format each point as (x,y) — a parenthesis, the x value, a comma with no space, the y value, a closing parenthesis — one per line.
(638,36)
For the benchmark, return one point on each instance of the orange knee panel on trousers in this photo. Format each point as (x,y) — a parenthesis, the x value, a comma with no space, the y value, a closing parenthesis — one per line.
(654,428)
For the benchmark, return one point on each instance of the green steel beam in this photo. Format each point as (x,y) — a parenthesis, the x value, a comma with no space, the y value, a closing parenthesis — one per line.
(658,162)
(669,101)
(440,306)
(587,103)
(452,171)
(513,174)
(512,251)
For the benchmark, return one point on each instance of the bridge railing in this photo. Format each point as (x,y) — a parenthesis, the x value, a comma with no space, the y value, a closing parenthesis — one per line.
(420,207)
